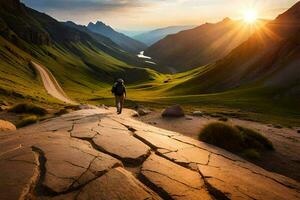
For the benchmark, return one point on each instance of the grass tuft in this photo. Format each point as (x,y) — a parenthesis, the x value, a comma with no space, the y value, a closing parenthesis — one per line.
(236,139)
(27,120)
(252,154)
(222,135)
(28,108)
(255,139)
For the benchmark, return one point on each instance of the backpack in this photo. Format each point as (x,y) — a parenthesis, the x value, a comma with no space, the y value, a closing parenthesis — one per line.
(118,89)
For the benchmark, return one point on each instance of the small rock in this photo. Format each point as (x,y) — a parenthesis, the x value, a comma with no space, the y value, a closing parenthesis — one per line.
(135,114)
(173,111)
(6,126)
(143,112)
(198,113)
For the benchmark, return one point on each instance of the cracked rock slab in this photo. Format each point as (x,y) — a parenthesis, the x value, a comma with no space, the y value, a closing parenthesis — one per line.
(69,164)
(16,171)
(114,185)
(174,181)
(84,131)
(121,144)
(173,149)
(237,182)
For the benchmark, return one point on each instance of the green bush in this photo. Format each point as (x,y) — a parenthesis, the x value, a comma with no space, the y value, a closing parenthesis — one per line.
(237,139)
(28,108)
(251,154)
(27,120)
(222,135)
(255,139)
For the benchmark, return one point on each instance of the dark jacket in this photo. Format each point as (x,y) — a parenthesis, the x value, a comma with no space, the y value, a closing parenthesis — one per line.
(118,89)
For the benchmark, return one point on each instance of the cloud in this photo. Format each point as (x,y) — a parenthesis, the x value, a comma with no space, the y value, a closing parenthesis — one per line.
(75,5)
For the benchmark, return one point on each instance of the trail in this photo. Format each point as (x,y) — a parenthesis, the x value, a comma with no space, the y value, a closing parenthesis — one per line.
(51,85)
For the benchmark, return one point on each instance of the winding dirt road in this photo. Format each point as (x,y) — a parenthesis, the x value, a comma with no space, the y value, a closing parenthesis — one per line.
(51,85)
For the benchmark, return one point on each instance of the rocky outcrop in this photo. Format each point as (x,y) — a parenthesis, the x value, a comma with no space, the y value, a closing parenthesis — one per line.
(173,111)
(6,126)
(91,154)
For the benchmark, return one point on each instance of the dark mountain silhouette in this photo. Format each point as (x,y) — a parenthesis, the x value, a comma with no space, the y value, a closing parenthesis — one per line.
(267,62)
(200,46)
(122,40)
(151,37)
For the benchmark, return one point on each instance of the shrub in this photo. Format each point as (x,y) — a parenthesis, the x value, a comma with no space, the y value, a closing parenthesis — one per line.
(255,139)
(62,112)
(27,120)
(251,154)
(236,139)
(28,108)
(222,135)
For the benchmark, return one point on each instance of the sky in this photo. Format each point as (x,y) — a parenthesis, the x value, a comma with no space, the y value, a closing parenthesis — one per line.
(137,15)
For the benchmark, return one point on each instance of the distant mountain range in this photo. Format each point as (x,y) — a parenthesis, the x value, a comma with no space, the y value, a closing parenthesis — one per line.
(200,46)
(268,63)
(153,36)
(125,42)
(81,60)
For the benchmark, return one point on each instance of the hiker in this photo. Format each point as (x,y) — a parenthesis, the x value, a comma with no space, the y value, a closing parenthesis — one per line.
(119,91)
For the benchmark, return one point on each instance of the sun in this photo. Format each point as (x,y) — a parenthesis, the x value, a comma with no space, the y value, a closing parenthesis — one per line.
(250,16)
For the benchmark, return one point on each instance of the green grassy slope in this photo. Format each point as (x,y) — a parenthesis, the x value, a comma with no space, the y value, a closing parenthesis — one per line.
(260,77)
(82,63)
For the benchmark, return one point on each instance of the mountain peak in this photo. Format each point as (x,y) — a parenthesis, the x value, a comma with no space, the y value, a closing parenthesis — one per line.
(292,14)
(226,19)
(99,23)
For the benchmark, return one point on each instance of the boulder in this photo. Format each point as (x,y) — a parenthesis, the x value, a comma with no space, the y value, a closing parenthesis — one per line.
(173,111)
(6,126)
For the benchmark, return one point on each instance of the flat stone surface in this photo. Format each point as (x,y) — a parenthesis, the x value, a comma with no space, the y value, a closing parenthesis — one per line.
(117,184)
(81,155)
(121,144)
(237,182)
(17,167)
(175,181)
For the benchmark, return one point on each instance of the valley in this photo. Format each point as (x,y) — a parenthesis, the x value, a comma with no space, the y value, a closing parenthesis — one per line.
(211,110)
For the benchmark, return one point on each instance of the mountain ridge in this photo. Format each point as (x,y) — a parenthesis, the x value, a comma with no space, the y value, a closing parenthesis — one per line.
(151,37)
(200,46)
(121,39)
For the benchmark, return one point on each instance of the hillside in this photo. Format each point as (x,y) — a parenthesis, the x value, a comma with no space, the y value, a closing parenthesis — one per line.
(127,43)
(81,62)
(269,58)
(200,46)
(154,36)
(261,75)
